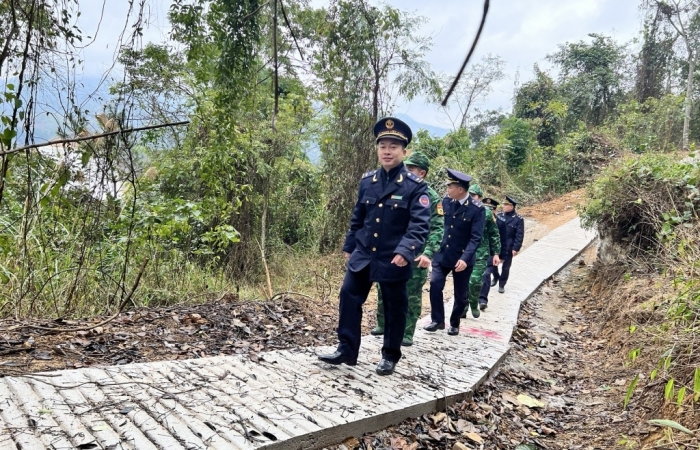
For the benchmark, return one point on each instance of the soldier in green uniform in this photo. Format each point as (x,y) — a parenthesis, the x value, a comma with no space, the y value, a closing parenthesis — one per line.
(490,247)
(419,164)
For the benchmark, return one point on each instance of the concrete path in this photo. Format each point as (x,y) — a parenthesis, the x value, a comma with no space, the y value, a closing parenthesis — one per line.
(286,401)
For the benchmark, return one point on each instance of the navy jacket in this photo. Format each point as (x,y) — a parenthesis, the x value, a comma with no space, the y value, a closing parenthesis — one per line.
(511,227)
(464,226)
(388,221)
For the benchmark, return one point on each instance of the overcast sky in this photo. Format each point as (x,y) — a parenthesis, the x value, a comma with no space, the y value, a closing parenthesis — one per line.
(522,32)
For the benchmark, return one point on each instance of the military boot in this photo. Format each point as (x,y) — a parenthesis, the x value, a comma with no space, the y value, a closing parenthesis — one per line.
(377,331)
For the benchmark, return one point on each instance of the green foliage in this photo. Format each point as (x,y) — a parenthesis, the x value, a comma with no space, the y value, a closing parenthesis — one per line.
(654,125)
(630,391)
(591,77)
(521,137)
(538,101)
(642,200)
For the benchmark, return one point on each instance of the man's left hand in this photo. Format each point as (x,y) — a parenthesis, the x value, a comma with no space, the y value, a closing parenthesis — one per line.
(461,265)
(423,261)
(399,261)
(515,252)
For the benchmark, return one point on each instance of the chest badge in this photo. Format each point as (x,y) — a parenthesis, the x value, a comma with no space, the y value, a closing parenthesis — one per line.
(397,197)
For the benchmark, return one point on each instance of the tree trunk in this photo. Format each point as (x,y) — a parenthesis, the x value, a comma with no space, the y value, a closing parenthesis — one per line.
(688,101)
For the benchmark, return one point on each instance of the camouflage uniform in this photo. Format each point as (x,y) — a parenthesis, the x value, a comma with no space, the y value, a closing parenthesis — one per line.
(419,277)
(490,245)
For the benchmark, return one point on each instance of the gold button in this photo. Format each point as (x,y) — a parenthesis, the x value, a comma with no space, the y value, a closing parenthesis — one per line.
(374,249)
(380,205)
(376,235)
(377,219)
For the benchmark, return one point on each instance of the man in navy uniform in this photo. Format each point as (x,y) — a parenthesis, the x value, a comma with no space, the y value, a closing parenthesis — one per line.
(464,225)
(389,224)
(511,226)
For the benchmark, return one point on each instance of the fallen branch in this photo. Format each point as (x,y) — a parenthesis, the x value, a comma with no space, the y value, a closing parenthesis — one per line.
(91,137)
(126,300)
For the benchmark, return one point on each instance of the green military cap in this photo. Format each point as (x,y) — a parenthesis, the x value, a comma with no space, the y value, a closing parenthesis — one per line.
(476,189)
(418,159)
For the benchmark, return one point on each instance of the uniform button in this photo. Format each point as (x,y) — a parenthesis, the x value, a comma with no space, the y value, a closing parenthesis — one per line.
(413,247)
(449,235)
(454,217)
(374,249)
(381,204)
(448,245)
(376,235)
(377,219)
(452,226)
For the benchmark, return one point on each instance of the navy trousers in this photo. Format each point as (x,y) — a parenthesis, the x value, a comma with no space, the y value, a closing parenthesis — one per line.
(353,294)
(461,285)
(505,270)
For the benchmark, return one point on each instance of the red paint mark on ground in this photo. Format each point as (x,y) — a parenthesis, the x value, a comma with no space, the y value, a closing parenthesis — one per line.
(481,332)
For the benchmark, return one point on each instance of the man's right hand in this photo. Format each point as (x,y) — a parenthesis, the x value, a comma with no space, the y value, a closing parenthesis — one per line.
(347,256)
(496,260)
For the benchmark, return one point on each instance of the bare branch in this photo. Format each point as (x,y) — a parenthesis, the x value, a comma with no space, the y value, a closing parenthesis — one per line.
(94,136)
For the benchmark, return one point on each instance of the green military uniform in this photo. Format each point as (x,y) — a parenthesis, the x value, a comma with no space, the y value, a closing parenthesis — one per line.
(490,245)
(420,275)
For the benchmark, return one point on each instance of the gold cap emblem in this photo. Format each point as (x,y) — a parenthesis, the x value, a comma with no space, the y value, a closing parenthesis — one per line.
(389,124)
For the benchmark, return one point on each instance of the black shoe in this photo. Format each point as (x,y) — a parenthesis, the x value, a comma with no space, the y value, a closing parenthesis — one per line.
(407,342)
(483,306)
(494,282)
(434,326)
(376,331)
(338,358)
(453,331)
(501,290)
(385,367)
(464,314)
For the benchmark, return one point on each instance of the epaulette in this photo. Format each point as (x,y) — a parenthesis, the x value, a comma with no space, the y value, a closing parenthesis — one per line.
(414,177)
(368,174)
(476,202)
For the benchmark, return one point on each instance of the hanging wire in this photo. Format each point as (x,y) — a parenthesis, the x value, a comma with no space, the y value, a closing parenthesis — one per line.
(469,55)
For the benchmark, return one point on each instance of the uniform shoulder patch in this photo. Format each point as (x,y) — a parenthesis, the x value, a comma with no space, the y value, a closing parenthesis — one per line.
(476,202)
(368,174)
(440,210)
(414,177)
(424,200)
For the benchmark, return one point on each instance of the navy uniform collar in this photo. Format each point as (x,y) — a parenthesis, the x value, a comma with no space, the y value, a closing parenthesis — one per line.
(392,173)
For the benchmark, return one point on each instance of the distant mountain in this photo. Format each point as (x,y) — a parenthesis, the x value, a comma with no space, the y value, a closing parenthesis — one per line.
(415,126)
